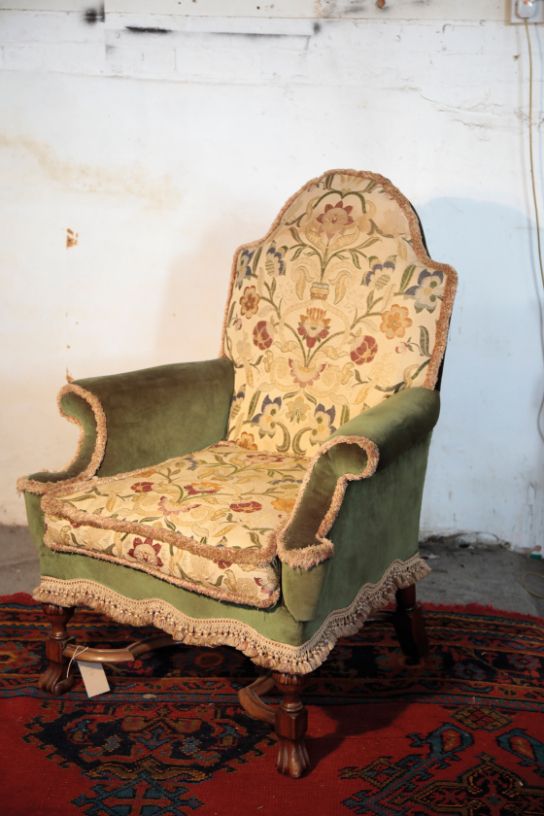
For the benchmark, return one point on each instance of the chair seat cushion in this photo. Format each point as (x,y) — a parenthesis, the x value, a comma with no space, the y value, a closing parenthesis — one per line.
(205,521)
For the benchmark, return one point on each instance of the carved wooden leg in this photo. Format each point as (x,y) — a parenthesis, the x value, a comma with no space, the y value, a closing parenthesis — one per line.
(53,679)
(291,723)
(410,626)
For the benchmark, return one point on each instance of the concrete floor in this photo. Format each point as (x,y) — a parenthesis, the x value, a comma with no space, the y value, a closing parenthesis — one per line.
(461,572)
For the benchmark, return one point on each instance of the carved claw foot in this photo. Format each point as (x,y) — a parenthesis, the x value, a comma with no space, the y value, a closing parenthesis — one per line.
(293,759)
(291,723)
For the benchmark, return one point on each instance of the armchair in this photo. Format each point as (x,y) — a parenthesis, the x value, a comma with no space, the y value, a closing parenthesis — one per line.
(268,499)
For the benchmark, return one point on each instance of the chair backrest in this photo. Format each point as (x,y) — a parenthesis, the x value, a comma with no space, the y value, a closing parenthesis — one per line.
(335,309)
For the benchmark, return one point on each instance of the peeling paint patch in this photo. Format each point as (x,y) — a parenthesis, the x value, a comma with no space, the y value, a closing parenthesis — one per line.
(72,238)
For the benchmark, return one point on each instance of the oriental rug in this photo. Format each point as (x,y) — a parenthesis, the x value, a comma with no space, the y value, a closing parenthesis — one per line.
(462,733)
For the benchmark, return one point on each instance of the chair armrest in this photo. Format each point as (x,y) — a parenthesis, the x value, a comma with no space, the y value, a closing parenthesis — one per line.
(139,418)
(355,451)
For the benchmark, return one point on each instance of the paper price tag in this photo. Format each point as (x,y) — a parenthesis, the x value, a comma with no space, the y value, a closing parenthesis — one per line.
(94,678)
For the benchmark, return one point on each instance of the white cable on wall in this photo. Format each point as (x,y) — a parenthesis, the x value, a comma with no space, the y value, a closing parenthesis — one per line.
(540,415)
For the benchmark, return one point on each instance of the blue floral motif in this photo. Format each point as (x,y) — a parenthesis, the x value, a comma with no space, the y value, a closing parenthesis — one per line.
(375,269)
(243,267)
(323,423)
(266,420)
(427,290)
(275,260)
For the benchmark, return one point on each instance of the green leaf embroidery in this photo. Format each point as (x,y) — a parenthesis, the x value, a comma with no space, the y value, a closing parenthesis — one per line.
(406,276)
(296,235)
(253,404)
(424,340)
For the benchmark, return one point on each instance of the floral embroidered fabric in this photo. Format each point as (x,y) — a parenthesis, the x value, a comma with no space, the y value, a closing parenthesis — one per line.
(204,521)
(336,309)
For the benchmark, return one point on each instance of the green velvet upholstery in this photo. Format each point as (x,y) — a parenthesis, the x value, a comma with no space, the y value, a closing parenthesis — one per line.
(152,415)
(162,412)
(378,523)
(394,426)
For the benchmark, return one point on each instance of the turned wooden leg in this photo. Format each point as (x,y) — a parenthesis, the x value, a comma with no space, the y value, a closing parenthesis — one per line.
(54,678)
(410,626)
(290,723)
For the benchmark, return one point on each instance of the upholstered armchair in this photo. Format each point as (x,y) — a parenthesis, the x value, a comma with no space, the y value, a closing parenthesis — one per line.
(269,499)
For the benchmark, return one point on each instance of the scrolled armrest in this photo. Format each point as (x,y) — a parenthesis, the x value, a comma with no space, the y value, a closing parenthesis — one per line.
(355,451)
(139,418)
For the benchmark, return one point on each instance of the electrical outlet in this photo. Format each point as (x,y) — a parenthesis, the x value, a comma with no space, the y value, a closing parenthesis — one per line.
(531,11)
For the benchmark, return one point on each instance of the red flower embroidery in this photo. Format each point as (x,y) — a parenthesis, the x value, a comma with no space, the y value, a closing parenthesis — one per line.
(261,336)
(245,507)
(335,218)
(365,351)
(146,551)
(142,487)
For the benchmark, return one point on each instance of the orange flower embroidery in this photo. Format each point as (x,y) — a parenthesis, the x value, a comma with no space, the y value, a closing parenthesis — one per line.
(249,302)
(313,326)
(283,505)
(202,487)
(395,322)
(246,440)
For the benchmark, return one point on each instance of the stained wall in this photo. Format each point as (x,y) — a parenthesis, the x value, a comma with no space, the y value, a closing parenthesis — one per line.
(162,141)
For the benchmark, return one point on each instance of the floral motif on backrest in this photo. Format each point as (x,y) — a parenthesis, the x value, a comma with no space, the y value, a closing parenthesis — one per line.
(337,308)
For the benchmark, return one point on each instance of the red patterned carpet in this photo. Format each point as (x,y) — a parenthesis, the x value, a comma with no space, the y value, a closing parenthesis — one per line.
(462,734)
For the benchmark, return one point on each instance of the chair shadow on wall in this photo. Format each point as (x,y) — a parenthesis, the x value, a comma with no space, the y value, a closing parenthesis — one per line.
(493,380)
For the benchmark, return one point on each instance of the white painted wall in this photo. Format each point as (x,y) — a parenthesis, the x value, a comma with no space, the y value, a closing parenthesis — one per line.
(165,151)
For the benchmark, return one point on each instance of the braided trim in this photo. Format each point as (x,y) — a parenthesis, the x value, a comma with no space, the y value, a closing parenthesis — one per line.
(39,488)
(307,557)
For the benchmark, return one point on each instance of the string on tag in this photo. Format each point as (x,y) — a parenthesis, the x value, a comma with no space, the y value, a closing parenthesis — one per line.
(78,651)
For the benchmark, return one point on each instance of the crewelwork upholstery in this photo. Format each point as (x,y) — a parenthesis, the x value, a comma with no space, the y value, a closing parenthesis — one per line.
(268,499)
(333,311)
(204,521)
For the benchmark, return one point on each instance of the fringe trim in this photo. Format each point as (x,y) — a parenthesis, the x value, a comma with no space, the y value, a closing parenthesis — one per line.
(261,650)
(40,488)
(307,557)
(203,589)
